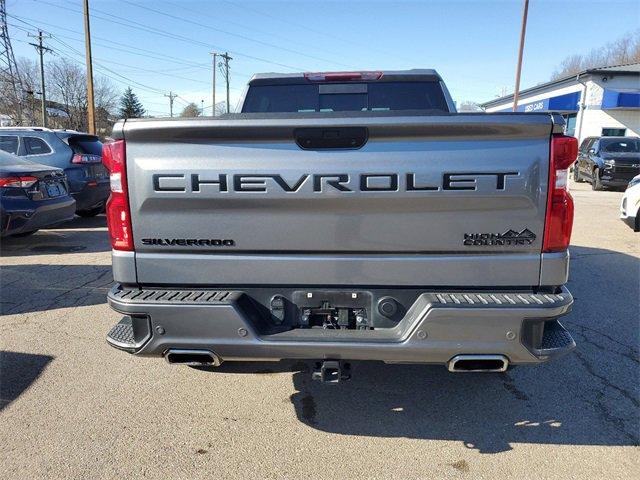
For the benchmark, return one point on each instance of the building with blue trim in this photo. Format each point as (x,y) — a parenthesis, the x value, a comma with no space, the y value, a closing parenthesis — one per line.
(596,102)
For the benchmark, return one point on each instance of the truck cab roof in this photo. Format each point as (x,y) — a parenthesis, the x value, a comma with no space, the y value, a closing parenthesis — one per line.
(416,74)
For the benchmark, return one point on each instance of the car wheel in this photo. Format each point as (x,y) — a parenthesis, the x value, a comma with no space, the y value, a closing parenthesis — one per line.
(92,212)
(596,182)
(576,175)
(24,234)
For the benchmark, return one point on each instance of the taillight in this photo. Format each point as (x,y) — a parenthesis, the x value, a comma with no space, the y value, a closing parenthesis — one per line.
(342,76)
(84,158)
(118,214)
(18,182)
(559,217)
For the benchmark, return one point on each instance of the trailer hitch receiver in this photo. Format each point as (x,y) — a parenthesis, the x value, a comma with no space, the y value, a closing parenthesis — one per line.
(331,371)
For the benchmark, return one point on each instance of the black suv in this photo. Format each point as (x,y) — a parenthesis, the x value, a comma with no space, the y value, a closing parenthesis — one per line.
(607,161)
(78,154)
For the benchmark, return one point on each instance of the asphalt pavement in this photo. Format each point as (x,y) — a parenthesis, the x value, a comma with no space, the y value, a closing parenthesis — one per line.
(73,407)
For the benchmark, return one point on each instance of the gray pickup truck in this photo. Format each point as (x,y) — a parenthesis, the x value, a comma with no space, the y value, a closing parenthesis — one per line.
(342,216)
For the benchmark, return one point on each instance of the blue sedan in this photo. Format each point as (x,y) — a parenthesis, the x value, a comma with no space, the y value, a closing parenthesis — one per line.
(32,196)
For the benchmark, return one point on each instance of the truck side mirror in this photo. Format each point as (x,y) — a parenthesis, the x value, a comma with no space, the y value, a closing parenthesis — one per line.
(592,151)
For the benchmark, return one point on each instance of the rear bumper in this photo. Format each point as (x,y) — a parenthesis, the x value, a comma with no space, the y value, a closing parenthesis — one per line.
(438,326)
(617,179)
(91,195)
(24,215)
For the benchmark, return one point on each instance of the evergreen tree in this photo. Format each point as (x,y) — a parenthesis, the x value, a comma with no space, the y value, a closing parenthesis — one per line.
(130,106)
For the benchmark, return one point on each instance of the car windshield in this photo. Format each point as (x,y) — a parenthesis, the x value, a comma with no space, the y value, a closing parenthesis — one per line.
(7,159)
(622,146)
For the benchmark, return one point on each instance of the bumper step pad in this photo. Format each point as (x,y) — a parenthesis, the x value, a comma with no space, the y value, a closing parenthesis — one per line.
(130,333)
(555,338)
(122,333)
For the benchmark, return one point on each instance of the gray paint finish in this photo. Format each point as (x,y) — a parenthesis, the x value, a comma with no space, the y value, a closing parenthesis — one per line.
(372,270)
(416,236)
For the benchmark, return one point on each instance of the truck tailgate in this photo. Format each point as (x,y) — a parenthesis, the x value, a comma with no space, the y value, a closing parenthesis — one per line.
(426,200)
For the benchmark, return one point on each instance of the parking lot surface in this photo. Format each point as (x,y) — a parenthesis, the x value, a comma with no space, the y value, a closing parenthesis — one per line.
(73,407)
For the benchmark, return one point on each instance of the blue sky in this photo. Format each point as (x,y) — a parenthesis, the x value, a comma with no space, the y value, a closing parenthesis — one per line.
(473,44)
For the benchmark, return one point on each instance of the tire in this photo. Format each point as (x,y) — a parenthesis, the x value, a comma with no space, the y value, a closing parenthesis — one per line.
(24,234)
(576,175)
(596,182)
(92,212)
(637,227)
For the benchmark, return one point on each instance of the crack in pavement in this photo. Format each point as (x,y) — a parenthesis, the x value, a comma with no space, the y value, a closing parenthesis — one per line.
(601,401)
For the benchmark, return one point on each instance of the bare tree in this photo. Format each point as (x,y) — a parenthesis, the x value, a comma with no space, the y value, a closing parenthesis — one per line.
(622,51)
(191,110)
(220,108)
(21,108)
(469,106)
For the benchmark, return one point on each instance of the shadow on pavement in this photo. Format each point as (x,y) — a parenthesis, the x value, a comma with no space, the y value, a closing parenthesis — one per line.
(99,221)
(17,372)
(589,397)
(36,288)
(77,236)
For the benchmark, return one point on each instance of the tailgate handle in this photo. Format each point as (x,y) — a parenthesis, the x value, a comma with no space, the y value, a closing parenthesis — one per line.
(331,138)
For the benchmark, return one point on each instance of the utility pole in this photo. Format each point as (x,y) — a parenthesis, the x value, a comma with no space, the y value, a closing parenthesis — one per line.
(91,114)
(214,54)
(41,49)
(171,96)
(202,108)
(523,30)
(226,58)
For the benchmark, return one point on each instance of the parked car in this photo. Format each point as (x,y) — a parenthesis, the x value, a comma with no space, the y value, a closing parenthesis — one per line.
(32,196)
(342,216)
(78,154)
(607,161)
(630,204)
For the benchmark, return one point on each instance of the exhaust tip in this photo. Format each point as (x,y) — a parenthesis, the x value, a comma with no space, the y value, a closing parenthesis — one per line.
(478,363)
(194,358)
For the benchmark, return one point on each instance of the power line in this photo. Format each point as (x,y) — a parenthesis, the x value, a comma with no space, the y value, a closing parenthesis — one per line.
(56,38)
(129,49)
(140,85)
(251,28)
(226,32)
(162,33)
(331,35)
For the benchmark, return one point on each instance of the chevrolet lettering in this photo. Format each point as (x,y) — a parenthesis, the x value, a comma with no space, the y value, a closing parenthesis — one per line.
(341,182)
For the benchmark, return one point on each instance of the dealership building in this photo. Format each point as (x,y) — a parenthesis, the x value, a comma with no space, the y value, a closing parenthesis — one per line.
(596,102)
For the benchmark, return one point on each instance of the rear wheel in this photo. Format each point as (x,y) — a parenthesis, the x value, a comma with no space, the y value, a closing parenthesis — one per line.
(596,182)
(92,212)
(576,175)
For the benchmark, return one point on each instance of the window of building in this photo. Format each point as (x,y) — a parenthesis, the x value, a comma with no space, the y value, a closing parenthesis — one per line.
(613,132)
(36,146)
(9,143)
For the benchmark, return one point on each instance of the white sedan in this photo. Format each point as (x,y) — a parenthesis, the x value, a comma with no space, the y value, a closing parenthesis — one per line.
(630,206)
